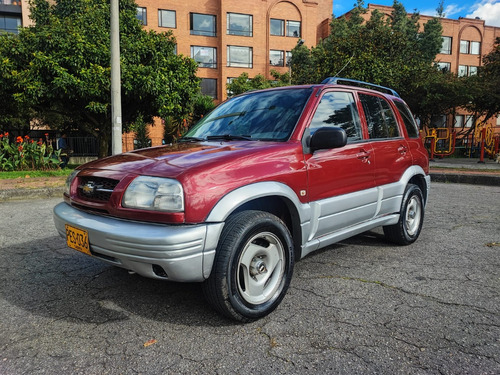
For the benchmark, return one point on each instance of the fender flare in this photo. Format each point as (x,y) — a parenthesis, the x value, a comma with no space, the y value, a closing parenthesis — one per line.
(231,201)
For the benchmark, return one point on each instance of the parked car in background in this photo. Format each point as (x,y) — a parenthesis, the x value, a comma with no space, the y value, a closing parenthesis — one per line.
(263,180)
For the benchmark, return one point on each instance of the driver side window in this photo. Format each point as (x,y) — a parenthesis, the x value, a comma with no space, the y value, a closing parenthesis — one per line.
(338,109)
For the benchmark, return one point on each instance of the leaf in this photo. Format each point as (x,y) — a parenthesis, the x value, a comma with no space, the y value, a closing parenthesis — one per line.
(150,342)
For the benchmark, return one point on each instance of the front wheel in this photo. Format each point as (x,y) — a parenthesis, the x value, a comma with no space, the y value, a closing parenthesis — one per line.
(253,266)
(411,218)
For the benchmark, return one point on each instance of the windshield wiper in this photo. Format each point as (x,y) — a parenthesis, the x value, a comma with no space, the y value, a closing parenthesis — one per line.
(191,139)
(229,137)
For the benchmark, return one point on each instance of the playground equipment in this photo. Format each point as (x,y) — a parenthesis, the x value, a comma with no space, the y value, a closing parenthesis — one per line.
(485,135)
(440,141)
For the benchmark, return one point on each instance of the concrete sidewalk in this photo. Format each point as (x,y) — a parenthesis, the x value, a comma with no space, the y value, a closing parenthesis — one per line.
(466,171)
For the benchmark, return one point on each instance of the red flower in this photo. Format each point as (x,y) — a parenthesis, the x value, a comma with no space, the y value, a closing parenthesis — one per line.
(20,148)
(1,135)
(6,134)
(46,134)
(26,137)
(19,140)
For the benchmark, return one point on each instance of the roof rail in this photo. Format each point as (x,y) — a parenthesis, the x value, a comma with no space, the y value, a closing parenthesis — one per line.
(353,82)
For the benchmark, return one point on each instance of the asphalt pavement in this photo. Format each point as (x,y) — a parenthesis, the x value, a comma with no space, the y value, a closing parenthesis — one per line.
(363,306)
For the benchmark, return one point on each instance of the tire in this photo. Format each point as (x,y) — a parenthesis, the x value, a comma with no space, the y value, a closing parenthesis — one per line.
(253,266)
(408,228)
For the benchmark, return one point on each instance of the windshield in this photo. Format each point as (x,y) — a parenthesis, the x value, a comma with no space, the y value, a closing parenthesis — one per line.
(265,116)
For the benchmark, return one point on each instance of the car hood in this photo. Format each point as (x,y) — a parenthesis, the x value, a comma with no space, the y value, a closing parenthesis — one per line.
(174,159)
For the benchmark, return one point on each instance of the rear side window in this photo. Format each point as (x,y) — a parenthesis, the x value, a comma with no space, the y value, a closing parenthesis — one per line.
(409,121)
(379,117)
(338,109)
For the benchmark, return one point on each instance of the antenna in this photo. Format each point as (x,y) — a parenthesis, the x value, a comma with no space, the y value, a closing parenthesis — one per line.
(345,66)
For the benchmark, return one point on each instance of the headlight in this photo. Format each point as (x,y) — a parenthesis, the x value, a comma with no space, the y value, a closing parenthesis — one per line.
(69,180)
(154,193)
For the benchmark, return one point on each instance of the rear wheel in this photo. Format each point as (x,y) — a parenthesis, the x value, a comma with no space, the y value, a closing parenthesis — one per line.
(253,266)
(411,218)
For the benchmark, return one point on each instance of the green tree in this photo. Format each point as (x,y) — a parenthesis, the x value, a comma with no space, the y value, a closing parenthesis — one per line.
(486,86)
(174,128)
(60,68)
(389,51)
(243,83)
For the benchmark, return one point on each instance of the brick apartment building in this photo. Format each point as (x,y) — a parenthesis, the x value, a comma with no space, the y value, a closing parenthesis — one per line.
(230,37)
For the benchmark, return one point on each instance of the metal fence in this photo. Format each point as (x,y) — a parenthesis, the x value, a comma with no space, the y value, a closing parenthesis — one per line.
(83,146)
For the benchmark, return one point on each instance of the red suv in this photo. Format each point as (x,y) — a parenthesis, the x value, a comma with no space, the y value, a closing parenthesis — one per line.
(266,178)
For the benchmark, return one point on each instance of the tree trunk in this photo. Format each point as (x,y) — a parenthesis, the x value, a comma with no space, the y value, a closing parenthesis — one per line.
(103,145)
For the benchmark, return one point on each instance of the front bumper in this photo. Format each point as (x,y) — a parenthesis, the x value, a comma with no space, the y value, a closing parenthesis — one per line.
(184,252)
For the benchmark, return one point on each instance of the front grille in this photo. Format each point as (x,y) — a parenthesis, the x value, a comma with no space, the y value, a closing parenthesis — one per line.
(96,188)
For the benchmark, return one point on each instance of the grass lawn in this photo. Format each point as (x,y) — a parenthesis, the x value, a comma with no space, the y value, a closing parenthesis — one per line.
(33,174)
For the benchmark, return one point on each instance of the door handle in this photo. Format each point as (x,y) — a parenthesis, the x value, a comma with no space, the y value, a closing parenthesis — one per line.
(402,149)
(363,156)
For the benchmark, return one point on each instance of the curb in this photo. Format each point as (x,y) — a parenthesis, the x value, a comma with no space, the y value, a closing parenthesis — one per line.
(487,180)
(22,194)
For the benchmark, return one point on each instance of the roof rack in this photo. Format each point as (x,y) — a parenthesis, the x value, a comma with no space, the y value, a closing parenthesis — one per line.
(353,82)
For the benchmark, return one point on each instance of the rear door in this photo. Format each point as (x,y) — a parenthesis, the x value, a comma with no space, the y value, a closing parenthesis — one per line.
(391,153)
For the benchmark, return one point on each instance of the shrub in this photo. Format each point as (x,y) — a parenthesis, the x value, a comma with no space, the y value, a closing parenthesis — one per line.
(25,154)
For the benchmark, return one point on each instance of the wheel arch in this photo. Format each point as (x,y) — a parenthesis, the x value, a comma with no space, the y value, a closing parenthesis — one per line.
(273,197)
(421,182)
(416,175)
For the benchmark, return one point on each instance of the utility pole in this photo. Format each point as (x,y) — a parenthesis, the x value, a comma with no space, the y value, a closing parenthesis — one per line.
(116,99)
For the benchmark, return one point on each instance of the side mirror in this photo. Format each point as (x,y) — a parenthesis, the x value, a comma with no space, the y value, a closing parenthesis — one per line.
(328,138)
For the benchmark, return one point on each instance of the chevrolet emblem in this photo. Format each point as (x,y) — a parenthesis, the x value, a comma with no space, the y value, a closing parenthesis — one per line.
(89,187)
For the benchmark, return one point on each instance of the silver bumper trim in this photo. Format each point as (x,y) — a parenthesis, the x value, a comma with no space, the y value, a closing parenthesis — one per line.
(185,252)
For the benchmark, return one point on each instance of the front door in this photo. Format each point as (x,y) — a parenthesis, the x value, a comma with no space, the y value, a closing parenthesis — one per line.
(341,186)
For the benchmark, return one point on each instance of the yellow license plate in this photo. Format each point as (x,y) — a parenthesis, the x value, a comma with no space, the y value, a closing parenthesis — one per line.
(78,239)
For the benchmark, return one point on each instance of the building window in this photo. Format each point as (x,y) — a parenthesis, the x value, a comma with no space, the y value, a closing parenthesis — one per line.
(277,27)
(239,24)
(10,24)
(288,58)
(464,70)
(209,87)
(240,57)
(468,47)
(166,18)
(276,58)
(475,48)
(446,46)
(206,57)
(229,80)
(462,121)
(444,66)
(498,120)
(293,29)
(202,24)
(469,121)
(142,15)
(464,46)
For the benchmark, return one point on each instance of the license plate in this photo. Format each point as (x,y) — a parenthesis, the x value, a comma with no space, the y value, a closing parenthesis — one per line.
(78,239)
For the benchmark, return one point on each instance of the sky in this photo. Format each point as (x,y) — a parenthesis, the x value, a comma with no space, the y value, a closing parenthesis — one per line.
(487,10)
